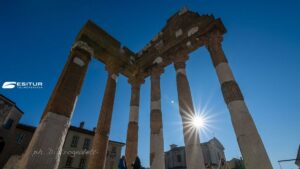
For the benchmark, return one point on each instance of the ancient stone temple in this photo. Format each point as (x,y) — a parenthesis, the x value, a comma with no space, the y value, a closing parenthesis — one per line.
(183,33)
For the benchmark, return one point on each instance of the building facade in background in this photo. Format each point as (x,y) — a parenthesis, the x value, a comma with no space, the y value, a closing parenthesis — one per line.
(10,115)
(235,164)
(213,153)
(15,137)
(77,147)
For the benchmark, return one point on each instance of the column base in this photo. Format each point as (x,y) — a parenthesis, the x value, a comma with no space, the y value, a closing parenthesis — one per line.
(45,147)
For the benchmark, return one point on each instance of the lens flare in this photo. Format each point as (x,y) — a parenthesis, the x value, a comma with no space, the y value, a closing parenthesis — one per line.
(202,123)
(199,121)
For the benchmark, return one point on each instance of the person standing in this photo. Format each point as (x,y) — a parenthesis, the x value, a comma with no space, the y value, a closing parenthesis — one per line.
(122,163)
(137,163)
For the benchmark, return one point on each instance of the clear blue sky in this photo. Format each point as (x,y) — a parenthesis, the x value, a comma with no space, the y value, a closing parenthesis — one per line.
(262,46)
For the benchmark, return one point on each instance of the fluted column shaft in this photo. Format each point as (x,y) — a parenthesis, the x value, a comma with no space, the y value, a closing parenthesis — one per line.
(193,151)
(156,138)
(100,141)
(51,132)
(250,143)
(132,132)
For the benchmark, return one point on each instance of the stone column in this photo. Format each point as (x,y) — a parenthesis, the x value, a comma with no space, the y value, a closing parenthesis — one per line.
(100,141)
(47,141)
(157,159)
(132,132)
(193,151)
(250,143)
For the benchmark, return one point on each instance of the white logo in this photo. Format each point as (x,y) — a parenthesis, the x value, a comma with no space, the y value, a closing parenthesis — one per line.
(22,85)
(9,85)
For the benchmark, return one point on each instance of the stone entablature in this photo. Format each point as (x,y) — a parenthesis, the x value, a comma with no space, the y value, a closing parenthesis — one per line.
(183,33)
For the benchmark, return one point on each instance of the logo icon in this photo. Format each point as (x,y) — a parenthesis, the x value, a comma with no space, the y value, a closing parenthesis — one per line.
(22,85)
(9,85)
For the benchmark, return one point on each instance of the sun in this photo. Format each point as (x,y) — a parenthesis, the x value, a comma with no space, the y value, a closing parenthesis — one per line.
(199,121)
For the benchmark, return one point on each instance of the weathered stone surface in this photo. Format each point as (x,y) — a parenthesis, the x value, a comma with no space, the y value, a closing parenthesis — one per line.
(156,137)
(132,134)
(224,73)
(157,158)
(131,150)
(214,47)
(250,143)
(52,130)
(231,91)
(100,140)
(156,121)
(69,84)
(193,152)
(48,137)
(183,33)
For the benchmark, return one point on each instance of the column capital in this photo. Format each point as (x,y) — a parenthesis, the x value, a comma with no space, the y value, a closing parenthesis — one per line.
(83,46)
(214,45)
(214,39)
(136,81)
(156,71)
(179,61)
(112,69)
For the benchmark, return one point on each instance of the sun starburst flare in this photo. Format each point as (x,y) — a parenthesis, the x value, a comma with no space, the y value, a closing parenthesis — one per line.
(199,121)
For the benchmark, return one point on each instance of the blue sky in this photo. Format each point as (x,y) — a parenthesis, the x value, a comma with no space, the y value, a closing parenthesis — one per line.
(261,45)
